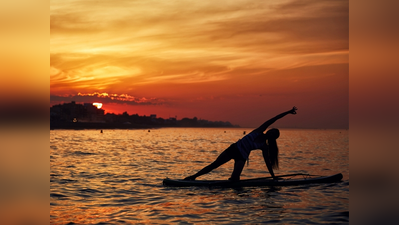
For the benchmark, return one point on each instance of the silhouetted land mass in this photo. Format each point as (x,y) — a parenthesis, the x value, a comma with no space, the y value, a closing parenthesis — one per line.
(87,116)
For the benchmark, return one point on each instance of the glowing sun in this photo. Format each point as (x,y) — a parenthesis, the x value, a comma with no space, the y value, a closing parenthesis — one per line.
(98,105)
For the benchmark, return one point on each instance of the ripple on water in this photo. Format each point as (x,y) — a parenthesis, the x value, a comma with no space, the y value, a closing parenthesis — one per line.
(116,178)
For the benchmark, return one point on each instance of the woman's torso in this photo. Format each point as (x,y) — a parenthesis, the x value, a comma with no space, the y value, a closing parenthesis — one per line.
(249,143)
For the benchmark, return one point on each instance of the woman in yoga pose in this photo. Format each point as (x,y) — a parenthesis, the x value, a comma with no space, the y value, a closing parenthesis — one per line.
(240,150)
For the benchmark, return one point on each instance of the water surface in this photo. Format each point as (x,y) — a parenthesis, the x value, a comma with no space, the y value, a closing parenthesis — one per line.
(115,177)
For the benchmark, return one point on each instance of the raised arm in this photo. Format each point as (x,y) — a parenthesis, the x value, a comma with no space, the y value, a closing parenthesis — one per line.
(266,124)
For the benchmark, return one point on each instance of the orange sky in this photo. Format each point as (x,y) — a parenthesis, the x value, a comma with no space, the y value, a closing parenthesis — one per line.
(241,61)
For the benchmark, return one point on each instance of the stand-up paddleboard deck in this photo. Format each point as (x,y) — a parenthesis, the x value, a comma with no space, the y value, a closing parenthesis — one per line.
(295,179)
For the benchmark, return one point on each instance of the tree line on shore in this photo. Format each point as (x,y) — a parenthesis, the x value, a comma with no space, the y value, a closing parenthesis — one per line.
(72,115)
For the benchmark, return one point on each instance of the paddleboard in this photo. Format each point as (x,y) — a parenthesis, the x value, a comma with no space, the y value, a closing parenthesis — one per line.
(284,180)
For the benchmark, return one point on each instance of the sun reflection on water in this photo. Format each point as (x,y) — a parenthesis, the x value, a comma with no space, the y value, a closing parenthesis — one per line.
(116,177)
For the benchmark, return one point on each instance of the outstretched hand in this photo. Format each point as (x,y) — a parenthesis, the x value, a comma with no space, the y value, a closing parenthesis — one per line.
(293,110)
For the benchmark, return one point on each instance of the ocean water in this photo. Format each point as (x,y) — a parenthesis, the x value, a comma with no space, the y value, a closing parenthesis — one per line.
(115,177)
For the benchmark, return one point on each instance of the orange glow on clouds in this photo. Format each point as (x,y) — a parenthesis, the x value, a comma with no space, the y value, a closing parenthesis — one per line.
(227,62)
(119,97)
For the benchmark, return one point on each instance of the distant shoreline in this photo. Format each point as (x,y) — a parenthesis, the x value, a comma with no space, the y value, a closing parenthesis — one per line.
(105,126)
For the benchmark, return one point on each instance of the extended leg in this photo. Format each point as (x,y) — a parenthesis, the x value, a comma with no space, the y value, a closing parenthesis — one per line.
(223,158)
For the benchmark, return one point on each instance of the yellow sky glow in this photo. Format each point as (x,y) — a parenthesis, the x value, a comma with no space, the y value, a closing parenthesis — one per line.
(172,52)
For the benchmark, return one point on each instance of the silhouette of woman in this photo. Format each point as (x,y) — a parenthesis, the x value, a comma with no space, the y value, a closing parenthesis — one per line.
(240,150)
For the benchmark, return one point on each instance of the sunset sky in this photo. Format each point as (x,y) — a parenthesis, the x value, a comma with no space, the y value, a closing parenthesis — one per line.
(241,61)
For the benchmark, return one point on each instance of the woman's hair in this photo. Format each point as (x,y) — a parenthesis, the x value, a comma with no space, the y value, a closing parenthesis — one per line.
(273,152)
(273,148)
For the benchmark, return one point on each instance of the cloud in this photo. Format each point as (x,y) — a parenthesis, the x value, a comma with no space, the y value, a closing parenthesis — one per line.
(106,98)
(290,28)
(184,50)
